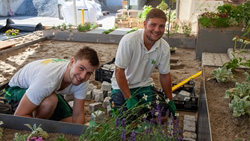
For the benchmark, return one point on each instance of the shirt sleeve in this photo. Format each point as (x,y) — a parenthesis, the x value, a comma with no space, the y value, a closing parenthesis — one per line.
(124,53)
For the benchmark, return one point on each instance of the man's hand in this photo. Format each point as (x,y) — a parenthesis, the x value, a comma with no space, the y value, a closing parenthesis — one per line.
(131,103)
(172,107)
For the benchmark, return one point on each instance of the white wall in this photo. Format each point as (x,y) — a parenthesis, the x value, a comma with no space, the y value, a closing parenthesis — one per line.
(190,9)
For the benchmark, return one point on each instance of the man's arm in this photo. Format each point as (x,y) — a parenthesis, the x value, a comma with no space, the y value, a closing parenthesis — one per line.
(78,111)
(166,84)
(25,107)
(122,82)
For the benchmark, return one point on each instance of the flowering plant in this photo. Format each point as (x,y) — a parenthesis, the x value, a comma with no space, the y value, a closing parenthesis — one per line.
(130,125)
(12,32)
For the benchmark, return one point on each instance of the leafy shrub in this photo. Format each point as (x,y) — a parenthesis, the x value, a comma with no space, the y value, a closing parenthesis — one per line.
(223,74)
(240,97)
(227,15)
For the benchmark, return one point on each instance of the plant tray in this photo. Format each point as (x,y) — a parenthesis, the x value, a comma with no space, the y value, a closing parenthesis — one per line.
(103,74)
(188,103)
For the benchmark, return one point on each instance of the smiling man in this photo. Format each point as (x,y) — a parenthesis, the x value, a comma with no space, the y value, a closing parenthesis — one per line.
(36,90)
(138,54)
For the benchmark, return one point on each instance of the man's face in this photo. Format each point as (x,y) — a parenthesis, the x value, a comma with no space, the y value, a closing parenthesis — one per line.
(80,71)
(154,29)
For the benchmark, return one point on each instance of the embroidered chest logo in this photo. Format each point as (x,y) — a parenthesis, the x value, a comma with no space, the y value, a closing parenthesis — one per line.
(153,61)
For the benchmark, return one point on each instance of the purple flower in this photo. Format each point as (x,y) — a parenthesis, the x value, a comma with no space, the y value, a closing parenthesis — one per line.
(123,134)
(117,122)
(123,122)
(152,112)
(133,136)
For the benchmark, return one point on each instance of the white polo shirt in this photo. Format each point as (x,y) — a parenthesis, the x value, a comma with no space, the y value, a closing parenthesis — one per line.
(138,61)
(43,77)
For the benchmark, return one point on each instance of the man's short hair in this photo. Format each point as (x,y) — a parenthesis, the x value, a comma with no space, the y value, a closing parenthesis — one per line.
(156,13)
(88,54)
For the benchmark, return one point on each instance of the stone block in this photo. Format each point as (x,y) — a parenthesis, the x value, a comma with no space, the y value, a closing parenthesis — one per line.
(106,86)
(94,93)
(71,104)
(106,101)
(109,110)
(188,139)
(189,123)
(69,97)
(91,87)
(189,128)
(99,96)
(184,93)
(95,106)
(189,135)
(189,117)
(88,96)
(98,115)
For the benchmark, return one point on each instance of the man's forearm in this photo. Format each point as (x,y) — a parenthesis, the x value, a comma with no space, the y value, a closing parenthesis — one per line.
(166,84)
(122,82)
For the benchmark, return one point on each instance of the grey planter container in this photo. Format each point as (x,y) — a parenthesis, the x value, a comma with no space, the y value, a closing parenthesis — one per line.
(216,40)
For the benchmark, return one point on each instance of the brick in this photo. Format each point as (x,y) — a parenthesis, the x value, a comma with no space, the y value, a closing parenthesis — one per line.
(189,135)
(106,86)
(98,115)
(95,106)
(106,101)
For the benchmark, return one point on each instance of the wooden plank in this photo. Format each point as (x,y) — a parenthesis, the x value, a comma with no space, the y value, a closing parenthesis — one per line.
(7,44)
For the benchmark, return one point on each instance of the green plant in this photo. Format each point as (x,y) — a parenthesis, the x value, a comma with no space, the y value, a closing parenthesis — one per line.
(222,74)
(163,6)
(84,28)
(61,138)
(12,32)
(109,30)
(133,29)
(64,26)
(37,132)
(146,9)
(227,15)
(20,137)
(240,97)
(186,28)
(121,127)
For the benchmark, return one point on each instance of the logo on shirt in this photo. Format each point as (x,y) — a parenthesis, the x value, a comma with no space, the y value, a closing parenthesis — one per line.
(153,61)
(53,61)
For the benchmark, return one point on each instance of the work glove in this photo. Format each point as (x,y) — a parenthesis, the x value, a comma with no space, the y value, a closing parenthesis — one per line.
(172,107)
(131,102)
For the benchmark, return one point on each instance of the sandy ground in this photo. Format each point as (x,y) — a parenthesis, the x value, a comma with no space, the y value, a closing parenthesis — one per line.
(183,63)
(224,126)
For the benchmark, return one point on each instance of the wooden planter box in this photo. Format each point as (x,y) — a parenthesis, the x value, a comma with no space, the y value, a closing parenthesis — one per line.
(216,40)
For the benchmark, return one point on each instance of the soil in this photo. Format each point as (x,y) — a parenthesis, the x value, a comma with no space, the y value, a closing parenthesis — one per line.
(224,126)
(183,65)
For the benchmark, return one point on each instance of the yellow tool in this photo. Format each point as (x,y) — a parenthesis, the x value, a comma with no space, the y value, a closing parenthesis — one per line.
(185,81)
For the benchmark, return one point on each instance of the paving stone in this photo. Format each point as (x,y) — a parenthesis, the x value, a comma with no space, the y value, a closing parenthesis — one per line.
(95,106)
(91,87)
(69,97)
(95,92)
(88,96)
(189,117)
(189,128)
(97,30)
(188,139)
(214,59)
(120,31)
(109,110)
(99,96)
(190,135)
(106,101)
(189,123)
(184,93)
(98,115)
(106,86)
(71,104)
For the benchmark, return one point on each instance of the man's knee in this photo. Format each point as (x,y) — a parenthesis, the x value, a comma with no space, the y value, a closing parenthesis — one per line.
(47,107)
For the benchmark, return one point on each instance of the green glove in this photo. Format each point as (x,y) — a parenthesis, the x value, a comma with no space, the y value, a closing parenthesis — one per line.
(131,102)
(172,107)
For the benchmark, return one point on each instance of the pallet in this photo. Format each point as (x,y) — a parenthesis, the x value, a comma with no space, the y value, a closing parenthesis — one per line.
(7,44)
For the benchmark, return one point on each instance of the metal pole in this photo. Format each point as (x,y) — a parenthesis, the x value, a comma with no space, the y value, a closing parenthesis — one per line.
(177,9)
(74,4)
